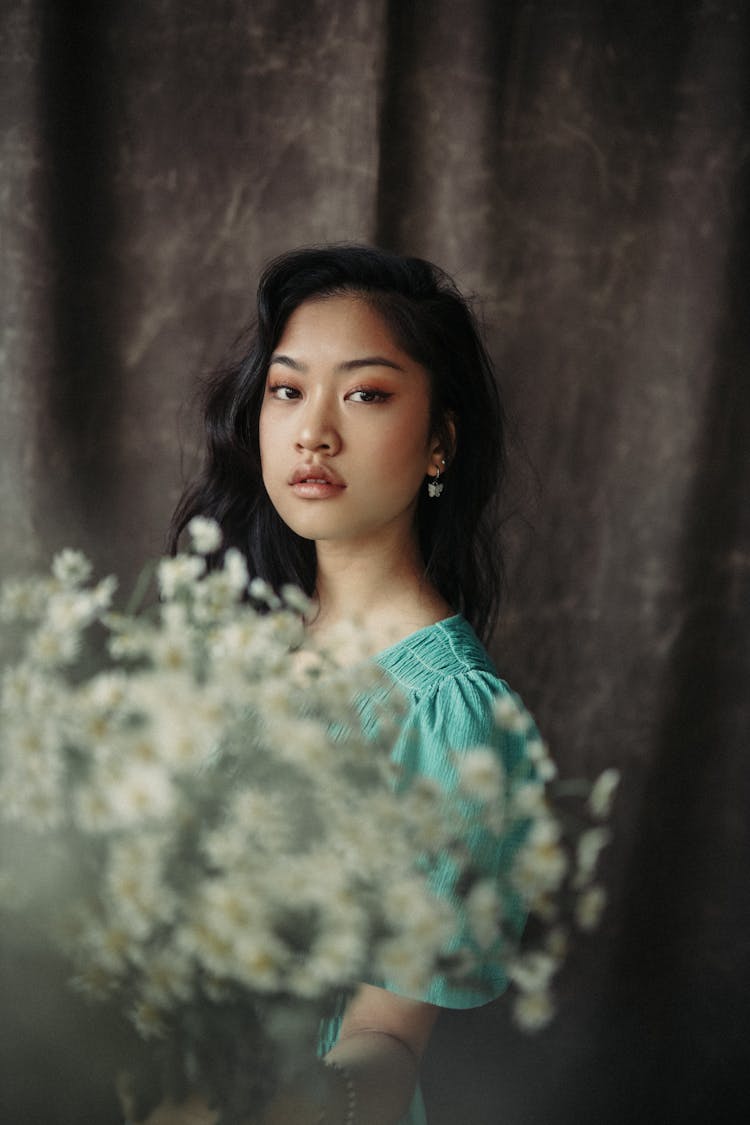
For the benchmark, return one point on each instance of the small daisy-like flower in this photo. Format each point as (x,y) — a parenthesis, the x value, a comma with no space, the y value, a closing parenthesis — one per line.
(546,770)
(205,535)
(484,911)
(71,568)
(263,592)
(590,907)
(533,1010)
(296,599)
(148,1020)
(107,691)
(481,774)
(140,791)
(541,863)
(557,943)
(51,647)
(510,714)
(103,593)
(533,971)
(22,600)
(399,962)
(70,610)
(235,569)
(589,847)
(529,800)
(602,793)
(177,575)
(259,959)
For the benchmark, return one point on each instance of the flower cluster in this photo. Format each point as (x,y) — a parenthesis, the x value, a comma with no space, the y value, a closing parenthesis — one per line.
(237,850)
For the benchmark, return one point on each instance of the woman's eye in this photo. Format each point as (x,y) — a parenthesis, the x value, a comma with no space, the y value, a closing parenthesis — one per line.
(365,395)
(283,392)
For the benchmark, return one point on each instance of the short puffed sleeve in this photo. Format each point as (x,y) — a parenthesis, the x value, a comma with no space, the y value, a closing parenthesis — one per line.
(451,716)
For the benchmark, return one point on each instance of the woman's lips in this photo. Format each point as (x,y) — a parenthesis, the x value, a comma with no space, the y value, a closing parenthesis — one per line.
(315,482)
(316,489)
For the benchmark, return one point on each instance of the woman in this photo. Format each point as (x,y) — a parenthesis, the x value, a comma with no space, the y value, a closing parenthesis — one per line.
(356,450)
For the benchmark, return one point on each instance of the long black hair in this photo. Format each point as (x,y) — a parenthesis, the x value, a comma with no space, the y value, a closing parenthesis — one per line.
(431,322)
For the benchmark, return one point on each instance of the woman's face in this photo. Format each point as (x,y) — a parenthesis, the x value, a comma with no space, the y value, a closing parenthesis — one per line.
(345,438)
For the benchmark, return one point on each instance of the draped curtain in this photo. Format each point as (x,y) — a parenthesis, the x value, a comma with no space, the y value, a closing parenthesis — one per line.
(582,167)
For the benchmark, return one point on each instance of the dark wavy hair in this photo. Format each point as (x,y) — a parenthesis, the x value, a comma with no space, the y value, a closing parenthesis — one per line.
(432,323)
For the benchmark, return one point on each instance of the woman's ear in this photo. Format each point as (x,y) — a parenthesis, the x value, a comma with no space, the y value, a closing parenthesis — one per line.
(443,445)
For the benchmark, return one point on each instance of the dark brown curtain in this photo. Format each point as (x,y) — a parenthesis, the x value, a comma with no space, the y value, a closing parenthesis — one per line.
(582,165)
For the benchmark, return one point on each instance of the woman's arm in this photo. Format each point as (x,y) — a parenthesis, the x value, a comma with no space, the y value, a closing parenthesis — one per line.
(376,1059)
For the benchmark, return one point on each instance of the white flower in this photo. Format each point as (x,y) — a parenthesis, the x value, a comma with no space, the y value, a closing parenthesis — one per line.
(235,569)
(205,535)
(139,899)
(178,574)
(510,714)
(215,598)
(533,1010)
(337,955)
(22,600)
(529,800)
(411,909)
(589,847)
(400,963)
(484,912)
(106,946)
(24,691)
(71,568)
(603,792)
(52,647)
(107,691)
(258,959)
(546,769)
(590,907)
(296,599)
(172,646)
(255,819)
(480,774)
(263,592)
(140,791)
(91,809)
(304,742)
(103,593)
(167,976)
(557,942)
(69,610)
(541,863)
(240,645)
(533,972)
(148,1019)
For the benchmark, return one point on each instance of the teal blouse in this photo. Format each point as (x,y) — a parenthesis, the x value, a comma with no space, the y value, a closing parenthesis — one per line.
(450,686)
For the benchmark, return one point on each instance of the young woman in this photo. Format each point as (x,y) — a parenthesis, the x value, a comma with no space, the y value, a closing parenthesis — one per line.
(356,451)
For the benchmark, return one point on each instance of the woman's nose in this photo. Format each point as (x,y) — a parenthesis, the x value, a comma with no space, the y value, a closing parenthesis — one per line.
(318,430)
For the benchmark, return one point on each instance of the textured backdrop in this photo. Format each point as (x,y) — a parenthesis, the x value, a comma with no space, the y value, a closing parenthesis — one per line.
(581,166)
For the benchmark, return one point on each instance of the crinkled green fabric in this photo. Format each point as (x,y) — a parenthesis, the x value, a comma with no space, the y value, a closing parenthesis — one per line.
(450,685)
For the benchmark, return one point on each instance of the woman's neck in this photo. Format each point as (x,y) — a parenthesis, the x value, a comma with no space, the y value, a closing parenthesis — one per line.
(381,588)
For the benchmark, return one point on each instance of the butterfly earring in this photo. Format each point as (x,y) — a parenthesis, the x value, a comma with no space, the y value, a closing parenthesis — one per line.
(435,486)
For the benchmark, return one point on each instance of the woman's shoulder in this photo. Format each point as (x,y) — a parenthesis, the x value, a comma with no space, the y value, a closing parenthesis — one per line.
(455,700)
(448,681)
(437,657)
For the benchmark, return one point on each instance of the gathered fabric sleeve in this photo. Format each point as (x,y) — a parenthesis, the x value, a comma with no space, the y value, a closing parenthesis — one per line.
(454,715)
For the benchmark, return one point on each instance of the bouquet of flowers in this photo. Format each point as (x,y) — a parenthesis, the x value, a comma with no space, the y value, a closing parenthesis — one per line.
(231,851)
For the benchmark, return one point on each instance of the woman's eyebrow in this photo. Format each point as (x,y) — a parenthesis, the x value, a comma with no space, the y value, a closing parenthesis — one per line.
(369,361)
(287,361)
(347,365)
